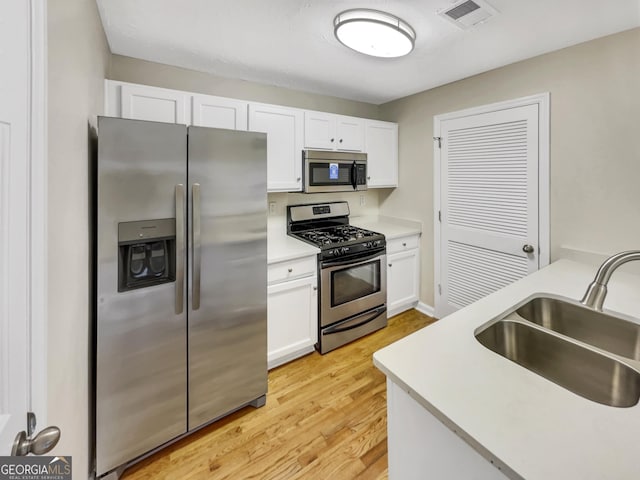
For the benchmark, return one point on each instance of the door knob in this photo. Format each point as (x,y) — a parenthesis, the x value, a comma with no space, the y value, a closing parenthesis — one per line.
(42,443)
(527,248)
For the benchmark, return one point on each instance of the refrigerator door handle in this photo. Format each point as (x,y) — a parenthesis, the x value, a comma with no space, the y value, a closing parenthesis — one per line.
(195,222)
(179,248)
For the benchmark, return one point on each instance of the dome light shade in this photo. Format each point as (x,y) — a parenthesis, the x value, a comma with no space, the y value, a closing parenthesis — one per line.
(374,33)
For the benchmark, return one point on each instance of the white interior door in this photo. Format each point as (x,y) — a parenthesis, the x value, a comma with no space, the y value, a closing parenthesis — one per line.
(22,216)
(14,175)
(489,227)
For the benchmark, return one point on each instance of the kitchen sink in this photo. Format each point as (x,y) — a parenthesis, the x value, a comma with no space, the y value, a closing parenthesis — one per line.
(577,367)
(599,329)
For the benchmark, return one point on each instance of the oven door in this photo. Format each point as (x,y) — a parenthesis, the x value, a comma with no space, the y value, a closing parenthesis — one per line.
(349,287)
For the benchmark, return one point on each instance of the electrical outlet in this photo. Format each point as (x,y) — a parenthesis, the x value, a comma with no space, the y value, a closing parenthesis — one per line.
(272,208)
(363,200)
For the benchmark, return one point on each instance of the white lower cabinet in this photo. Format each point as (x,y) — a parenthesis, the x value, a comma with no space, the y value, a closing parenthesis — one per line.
(418,442)
(403,274)
(292,317)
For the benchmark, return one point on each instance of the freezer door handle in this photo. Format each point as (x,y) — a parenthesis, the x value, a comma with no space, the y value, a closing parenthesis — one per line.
(179,248)
(195,222)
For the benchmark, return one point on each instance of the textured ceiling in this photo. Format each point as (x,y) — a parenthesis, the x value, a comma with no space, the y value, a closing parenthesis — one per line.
(290,43)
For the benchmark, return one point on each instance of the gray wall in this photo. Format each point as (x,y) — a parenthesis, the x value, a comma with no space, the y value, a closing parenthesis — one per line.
(127,69)
(78,59)
(595,143)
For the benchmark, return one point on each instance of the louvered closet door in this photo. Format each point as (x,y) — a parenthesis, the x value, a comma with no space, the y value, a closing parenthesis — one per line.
(489,203)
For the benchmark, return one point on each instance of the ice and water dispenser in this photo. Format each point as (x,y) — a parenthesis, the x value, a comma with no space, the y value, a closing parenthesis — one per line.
(146,253)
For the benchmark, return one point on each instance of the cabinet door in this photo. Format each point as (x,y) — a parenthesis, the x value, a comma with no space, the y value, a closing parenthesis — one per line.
(292,319)
(382,153)
(349,133)
(327,131)
(319,130)
(140,102)
(218,112)
(283,127)
(402,280)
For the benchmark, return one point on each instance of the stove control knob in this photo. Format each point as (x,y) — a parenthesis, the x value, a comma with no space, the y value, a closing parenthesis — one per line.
(330,253)
(368,244)
(345,249)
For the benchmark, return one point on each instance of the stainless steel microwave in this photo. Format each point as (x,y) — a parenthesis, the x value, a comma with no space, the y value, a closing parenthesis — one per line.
(334,171)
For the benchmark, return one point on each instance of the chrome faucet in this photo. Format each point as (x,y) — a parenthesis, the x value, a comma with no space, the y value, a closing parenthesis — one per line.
(597,290)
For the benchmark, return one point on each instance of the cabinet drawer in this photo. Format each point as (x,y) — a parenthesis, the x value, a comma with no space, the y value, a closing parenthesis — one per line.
(300,267)
(403,243)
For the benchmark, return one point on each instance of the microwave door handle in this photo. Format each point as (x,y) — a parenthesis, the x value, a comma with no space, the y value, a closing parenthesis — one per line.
(353,175)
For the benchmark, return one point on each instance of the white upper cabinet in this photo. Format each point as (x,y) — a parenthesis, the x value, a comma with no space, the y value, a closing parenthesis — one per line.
(141,102)
(218,112)
(381,140)
(284,127)
(289,130)
(327,131)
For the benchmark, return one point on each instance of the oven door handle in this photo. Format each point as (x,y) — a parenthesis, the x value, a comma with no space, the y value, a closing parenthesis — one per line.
(351,323)
(352,262)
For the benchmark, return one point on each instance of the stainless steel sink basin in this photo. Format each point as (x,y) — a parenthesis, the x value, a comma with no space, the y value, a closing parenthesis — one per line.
(576,367)
(590,326)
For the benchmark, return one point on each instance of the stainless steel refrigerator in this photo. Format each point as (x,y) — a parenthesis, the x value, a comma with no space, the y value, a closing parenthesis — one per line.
(181,258)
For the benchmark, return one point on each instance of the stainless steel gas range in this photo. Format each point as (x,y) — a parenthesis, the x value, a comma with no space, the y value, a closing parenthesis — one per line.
(351,272)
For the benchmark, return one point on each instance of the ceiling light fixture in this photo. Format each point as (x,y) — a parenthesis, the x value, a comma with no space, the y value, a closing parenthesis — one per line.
(375,33)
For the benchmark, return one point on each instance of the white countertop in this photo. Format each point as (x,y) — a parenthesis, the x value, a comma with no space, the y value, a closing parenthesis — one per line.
(281,247)
(531,426)
(390,227)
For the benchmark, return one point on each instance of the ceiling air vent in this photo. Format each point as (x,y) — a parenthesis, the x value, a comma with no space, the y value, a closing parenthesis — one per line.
(467,13)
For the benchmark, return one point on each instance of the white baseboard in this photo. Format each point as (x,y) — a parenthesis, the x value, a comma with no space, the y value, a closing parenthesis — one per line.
(290,353)
(426,309)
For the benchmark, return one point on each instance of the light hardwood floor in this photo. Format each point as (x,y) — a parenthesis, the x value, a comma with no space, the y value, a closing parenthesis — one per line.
(325,418)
